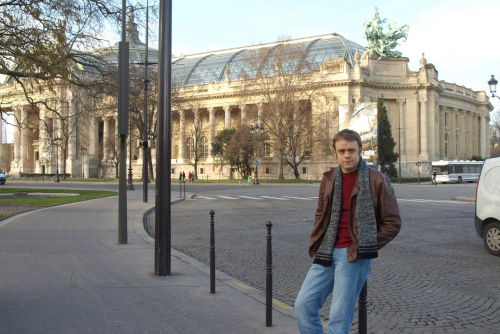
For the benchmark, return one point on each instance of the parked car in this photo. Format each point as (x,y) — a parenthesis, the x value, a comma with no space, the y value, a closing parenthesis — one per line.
(2,177)
(487,218)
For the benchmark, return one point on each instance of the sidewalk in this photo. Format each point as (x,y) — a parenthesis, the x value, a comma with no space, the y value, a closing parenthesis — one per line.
(63,271)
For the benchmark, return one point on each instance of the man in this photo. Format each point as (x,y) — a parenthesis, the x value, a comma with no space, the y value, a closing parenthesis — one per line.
(434,182)
(357,215)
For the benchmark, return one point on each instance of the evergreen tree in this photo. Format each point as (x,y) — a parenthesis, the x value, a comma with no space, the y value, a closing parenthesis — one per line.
(386,155)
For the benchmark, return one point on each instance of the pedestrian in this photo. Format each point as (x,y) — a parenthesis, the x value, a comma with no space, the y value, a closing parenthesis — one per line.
(190,175)
(357,214)
(183,177)
(193,176)
(434,181)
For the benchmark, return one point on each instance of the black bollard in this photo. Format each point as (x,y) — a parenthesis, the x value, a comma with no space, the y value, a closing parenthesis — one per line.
(180,189)
(362,302)
(212,252)
(184,181)
(269,277)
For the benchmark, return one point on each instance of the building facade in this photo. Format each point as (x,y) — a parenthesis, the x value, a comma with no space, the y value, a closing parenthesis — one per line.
(431,118)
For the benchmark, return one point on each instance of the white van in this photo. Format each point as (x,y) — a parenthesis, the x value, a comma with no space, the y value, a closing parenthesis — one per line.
(487,216)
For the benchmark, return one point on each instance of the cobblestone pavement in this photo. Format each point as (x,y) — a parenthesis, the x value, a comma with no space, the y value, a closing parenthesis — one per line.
(435,277)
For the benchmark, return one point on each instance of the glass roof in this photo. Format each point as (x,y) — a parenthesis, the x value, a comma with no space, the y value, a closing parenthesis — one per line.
(243,62)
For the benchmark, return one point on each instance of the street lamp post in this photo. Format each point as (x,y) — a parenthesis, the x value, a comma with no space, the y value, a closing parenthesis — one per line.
(493,86)
(57,142)
(134,113)
(256,132)
(83,150)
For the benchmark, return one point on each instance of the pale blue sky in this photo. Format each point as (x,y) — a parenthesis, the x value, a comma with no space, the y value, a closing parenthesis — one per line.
(457,36)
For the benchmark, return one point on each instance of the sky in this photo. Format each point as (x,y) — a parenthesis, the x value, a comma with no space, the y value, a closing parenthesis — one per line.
(458,37)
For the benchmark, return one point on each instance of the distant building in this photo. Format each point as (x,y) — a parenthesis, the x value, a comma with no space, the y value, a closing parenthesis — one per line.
(431,118)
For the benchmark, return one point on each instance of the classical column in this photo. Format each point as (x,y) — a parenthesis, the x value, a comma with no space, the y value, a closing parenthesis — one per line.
(211,120)
(72,130)
(260,110)
(227,117)
(42,138)
(470,133)
(244,114)
(484,140)
(105,139)
(401,130)
(24,138)
(423,128)
(442,133)
(182,134)
(17,137)
(1,145)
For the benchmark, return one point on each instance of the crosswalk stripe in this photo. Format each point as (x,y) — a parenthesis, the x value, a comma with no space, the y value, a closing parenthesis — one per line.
(302,198)
(227,197)
(250,197)
(433,201)
(278,198)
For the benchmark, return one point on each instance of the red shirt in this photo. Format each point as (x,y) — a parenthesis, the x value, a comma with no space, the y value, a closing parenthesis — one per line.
(343,235)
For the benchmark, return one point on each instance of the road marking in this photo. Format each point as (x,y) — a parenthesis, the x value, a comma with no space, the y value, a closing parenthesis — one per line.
(205,197)
(243,286)
(250,197)
(227,197)
(302,198)
(278,198)
(433,201)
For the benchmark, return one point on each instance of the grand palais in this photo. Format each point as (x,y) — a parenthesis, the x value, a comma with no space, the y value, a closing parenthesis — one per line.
(431,118)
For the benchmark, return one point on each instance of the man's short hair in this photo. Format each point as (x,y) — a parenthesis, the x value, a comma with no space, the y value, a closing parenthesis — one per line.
(347,135)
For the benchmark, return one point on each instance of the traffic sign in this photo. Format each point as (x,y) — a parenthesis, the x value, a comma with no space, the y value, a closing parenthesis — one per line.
(256,162)
(418,164)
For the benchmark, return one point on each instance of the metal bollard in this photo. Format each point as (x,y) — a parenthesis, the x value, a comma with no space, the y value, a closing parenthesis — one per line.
(212,252)
(269,277)
(184,181)
(362,314)
(180,189)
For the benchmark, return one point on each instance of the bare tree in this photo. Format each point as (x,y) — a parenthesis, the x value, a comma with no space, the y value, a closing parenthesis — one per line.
(288,85)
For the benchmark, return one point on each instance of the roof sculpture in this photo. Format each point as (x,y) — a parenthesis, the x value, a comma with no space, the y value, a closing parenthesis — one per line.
(383,44)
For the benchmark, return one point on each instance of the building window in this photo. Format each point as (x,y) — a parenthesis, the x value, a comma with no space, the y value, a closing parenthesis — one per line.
(267,149)
(190,148)
(445,119)
(173,171)
(202,170)
(204,148)
(268,170)
(304,170)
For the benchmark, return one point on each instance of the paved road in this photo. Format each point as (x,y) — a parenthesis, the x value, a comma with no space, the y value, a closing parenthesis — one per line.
(435,277)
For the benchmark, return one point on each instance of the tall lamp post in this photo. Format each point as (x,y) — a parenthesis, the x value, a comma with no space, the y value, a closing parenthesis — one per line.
(256,133)
(57,141)
(493,86)
(134,113)
(83,150)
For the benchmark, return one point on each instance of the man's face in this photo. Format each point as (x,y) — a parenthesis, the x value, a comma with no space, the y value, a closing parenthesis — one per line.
(348,154)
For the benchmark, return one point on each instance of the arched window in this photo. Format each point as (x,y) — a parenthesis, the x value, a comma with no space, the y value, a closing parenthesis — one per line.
(445,144)
(204,148)
(190,148)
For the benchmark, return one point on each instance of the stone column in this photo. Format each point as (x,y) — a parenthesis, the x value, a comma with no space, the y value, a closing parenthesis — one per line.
(423,129)
(211,139)
(42,138)
(442,132)
(72,131)
(484,137)
(17,137)
(105,139)
(182,134)
(24,138)
(470,133)
(227,117)
(244,114)
(260,110)
(1,145)
(401,129)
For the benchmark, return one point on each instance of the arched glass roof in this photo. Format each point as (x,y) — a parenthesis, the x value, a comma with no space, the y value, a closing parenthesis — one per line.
(248,61)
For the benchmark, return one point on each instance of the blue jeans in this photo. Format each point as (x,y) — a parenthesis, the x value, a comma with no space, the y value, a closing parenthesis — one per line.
(344,281)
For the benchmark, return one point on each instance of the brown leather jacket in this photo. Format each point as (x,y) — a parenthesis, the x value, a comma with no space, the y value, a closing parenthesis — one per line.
(384,203)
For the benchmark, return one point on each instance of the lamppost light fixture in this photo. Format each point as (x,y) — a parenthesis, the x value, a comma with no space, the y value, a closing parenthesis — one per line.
(493,85)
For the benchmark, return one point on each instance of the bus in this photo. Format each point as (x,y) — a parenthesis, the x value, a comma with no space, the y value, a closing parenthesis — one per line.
(457,171)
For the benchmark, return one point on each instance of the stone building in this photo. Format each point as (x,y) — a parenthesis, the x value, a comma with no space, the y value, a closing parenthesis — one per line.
(431,118)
